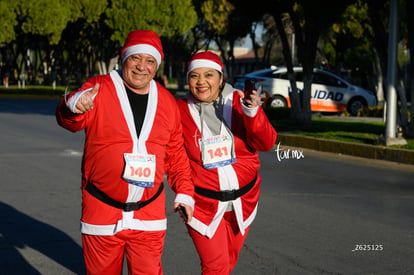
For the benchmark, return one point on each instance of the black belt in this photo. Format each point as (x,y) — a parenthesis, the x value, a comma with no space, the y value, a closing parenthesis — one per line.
(126,206)
(227,195)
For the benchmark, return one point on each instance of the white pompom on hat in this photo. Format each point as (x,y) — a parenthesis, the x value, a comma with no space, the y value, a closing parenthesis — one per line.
(142,41)
(205,60)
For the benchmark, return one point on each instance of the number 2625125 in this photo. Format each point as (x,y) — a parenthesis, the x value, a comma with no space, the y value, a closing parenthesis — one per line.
(368,247)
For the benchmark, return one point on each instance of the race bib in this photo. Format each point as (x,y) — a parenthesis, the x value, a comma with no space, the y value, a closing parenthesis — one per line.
(216,151)
(139,169)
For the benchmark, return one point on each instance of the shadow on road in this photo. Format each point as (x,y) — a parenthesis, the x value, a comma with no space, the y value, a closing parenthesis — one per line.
(28,106)
(19,232)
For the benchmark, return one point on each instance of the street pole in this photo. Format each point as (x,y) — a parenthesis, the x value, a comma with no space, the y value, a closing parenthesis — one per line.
(391,103)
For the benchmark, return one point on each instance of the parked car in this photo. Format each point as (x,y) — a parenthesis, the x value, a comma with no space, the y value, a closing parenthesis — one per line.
(330,93)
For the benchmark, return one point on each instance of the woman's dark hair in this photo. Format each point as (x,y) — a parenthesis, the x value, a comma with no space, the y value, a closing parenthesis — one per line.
(222,83)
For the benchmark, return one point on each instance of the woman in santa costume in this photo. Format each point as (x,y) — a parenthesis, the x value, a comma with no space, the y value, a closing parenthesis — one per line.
(133,136)
(223,131)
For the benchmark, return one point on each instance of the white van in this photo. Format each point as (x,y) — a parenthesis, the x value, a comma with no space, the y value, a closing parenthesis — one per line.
(330,93)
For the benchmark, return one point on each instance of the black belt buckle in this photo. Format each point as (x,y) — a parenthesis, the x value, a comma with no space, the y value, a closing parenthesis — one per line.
(131,206)
(228,195)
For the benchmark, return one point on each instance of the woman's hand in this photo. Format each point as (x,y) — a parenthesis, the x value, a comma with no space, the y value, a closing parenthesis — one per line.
(254,100)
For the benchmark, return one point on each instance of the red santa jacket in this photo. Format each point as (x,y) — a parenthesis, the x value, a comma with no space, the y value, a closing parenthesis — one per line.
(108,135)
(252,132)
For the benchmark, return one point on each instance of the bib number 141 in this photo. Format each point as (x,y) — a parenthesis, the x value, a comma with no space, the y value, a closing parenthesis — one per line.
(218,152)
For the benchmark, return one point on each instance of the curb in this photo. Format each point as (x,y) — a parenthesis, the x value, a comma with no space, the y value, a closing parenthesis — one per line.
(348,148)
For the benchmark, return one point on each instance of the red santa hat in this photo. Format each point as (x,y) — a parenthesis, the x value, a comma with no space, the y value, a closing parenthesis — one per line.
(205,60)
(141,41)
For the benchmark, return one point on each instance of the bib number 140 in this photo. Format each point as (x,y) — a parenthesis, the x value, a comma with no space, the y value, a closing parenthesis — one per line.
(139,169)
(140,172)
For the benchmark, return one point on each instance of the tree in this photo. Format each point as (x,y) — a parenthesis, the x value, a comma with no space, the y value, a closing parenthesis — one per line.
(40,24)
(93,31)
(8,21)
(44,17)
(224,22)
(351,46)
(86,40)
(273,52)
(217,15)
(309,22)
(167,18)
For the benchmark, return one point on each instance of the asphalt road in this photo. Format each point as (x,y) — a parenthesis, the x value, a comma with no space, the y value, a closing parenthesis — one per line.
(319,213)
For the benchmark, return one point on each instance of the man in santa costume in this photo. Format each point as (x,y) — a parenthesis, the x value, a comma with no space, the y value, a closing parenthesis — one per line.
(223,130)
(133,136)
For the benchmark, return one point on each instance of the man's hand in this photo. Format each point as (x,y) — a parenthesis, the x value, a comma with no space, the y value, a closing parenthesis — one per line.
(188,211)
(85,101)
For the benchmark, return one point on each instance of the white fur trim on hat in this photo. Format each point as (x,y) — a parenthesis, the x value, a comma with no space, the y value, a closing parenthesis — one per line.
(142,48)
(203,63)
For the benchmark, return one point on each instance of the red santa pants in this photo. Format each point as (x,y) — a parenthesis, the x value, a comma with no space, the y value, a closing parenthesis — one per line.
(105,254)
(219,254)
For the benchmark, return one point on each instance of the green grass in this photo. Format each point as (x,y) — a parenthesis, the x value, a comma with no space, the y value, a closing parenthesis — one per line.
(43,90)
(34,90)
(363,132)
